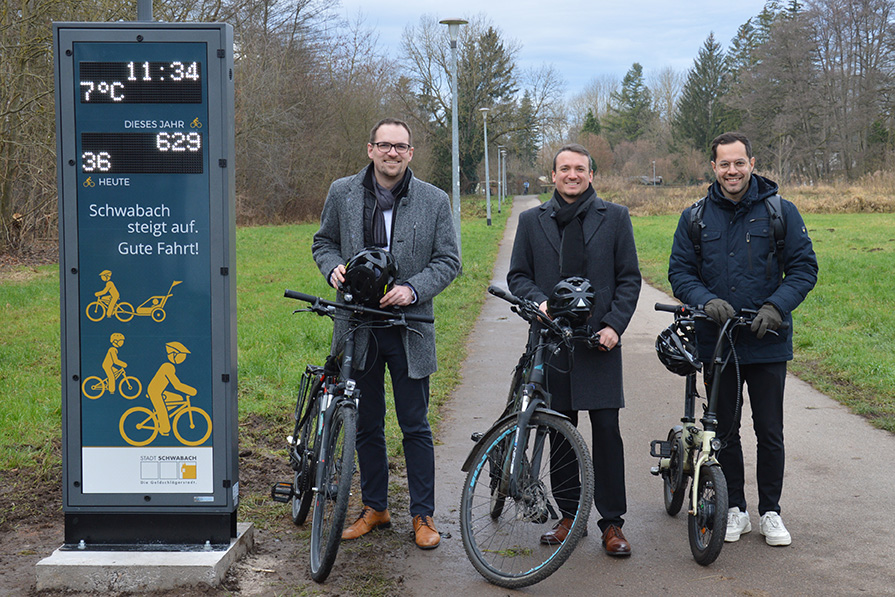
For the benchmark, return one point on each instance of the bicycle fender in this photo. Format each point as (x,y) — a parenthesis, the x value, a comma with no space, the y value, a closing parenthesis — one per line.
(471,457)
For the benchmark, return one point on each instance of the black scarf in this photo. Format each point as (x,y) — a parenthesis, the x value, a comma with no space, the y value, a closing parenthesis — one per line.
(375,201)
(569,218)
(385,200)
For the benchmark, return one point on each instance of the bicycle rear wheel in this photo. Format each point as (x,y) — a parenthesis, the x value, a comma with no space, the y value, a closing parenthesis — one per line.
(505,546)
(331,501)
(708,525)
(673,480)
(303,460)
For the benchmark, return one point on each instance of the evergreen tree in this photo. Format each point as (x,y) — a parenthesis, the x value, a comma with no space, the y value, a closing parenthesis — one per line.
(524,139)
(630,112)
(701,113)
(591,124)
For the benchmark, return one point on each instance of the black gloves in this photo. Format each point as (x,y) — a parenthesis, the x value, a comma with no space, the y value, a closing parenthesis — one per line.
(768,318)
(719,310)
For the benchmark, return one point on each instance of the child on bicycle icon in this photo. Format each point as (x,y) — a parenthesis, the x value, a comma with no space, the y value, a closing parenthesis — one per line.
(112,360)
(110,290)
(165,376)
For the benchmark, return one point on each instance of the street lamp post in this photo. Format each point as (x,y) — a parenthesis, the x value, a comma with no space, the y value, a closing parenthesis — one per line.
(454,32)
(654,172)
(484,112)
(501,187)
(505,187)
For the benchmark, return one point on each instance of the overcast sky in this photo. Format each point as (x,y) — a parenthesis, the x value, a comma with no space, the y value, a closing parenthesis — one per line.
(582,39)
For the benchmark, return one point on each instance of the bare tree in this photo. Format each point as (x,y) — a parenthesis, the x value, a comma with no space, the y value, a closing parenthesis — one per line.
(855,58)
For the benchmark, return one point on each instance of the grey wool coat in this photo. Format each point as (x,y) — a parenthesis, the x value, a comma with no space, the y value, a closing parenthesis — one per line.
(595,381)
(423,243)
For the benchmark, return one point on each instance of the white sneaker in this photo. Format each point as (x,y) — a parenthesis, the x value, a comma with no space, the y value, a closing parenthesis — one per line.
(772,528)
(737,524)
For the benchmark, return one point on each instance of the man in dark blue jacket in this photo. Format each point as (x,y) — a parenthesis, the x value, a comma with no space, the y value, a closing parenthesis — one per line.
(738,269)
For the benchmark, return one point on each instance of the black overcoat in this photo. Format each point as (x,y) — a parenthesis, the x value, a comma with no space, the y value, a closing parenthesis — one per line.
(596,376)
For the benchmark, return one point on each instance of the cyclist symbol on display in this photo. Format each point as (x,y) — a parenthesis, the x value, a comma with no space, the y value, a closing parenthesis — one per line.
(196,124)
(106,303)
(153,307)
(89,182)
(139,426)
(128,386)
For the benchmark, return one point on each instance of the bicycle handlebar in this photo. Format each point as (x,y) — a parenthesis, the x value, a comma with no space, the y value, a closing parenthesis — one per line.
(745,316)
(322,306)
(530,311)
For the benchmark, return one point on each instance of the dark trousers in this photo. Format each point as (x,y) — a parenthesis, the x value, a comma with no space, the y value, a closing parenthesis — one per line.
(411,408)
(609,469)
(765,382)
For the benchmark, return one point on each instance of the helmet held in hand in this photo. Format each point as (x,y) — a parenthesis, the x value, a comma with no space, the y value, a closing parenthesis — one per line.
(572,299)
(368,276)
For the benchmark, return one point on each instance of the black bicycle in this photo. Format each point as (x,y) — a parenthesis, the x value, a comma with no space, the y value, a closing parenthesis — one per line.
(505,506)
(321,447)
(691,450)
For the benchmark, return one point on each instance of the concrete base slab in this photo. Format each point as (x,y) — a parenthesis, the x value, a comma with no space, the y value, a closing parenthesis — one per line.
(122,571)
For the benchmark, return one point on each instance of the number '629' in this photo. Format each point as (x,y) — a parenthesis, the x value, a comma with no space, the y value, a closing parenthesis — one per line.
(178,141)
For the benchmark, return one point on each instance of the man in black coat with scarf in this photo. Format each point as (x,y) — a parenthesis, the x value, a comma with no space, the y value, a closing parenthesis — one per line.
(578,234)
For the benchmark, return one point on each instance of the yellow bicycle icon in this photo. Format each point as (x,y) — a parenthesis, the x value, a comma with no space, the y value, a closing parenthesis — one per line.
(128,385)
(89,182)
(139,425)
(196,124)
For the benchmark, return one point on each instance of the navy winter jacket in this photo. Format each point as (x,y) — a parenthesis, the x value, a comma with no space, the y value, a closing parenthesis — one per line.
(736,244)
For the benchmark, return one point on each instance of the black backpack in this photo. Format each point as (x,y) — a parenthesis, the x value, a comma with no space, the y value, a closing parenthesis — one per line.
(778,228)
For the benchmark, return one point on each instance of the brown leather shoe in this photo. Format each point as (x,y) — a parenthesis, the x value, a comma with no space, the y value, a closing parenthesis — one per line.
(368,520)
(426,535)
(614,542)
(559,532)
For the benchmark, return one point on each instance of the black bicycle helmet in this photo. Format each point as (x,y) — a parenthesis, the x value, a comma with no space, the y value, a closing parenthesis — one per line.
(571,299)
(676,349)
(368,276)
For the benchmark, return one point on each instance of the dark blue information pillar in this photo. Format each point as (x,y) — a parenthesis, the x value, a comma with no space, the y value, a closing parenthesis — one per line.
(144,115)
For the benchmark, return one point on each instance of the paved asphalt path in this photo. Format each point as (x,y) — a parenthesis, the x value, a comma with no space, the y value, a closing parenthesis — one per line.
(838,501)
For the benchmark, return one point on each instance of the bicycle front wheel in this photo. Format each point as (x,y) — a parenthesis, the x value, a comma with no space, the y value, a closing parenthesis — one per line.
(192,429)
(331,501)
(129,387)
(505,546)
(708,525)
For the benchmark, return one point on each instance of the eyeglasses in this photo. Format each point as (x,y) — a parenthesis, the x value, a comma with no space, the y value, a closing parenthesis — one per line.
(387,147)
(739,165)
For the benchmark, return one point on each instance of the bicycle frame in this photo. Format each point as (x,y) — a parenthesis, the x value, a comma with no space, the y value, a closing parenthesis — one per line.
(534,396)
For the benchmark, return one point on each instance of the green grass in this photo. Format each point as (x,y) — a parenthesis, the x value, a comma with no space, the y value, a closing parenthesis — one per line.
(844,332)
(30,405)
(274,345)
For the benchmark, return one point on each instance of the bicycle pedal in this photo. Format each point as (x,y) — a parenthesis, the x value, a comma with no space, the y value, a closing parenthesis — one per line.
(476,436)
(281,492)
(655,471)
(664,448)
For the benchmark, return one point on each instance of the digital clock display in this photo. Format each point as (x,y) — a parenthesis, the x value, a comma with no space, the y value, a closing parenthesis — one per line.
(165,152)
(170,82)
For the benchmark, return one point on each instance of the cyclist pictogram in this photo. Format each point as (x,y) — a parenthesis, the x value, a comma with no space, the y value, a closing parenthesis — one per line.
(107,303)
(89,182)
(139,426)
(196,124)
(127,385)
